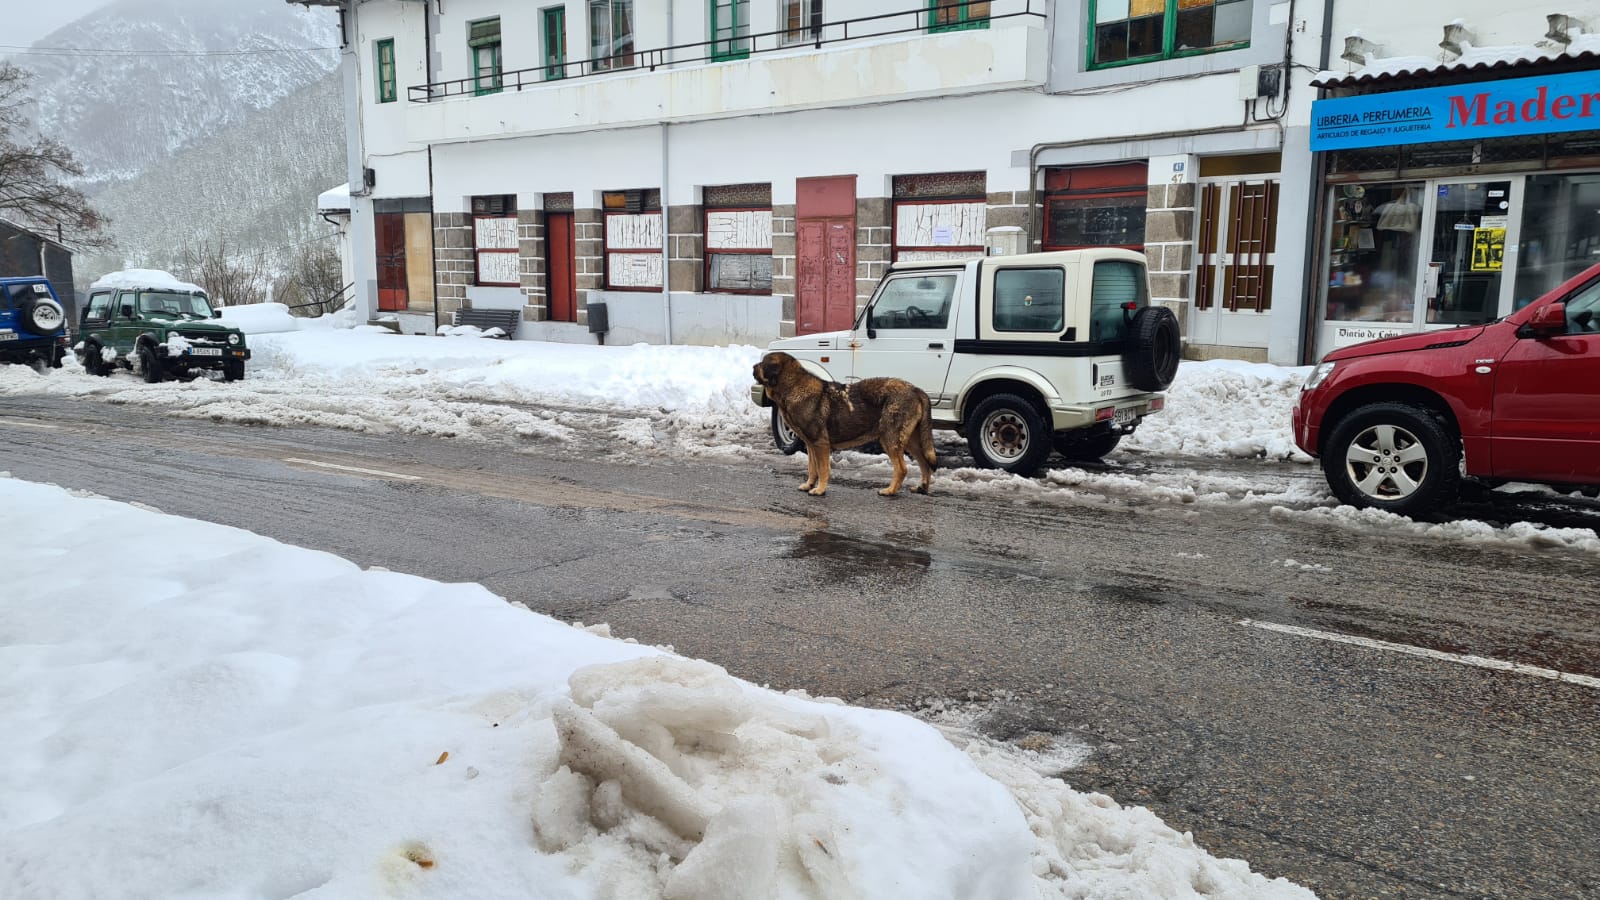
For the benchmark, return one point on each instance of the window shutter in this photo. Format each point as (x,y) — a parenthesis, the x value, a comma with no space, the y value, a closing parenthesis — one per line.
(483,33)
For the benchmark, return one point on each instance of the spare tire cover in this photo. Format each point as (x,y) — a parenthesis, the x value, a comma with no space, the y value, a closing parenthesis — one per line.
(1154,348)
(42,315)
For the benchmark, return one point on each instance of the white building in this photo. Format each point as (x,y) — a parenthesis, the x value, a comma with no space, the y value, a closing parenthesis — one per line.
(733,170)
(1458,153)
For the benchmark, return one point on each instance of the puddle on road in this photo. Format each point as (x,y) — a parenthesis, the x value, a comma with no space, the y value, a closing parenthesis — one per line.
(857,554)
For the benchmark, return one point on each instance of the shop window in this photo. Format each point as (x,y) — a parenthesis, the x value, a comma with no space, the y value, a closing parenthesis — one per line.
(738,238)
(939,216)
(1095,206)
(956,15)
(494,241)
(483,41)
(610,34)
(802,20)
(384,52)
(1373,252)
(730,29)
(1560,232)
(1135,31)
(553,23)
(633,237)
(1030,300)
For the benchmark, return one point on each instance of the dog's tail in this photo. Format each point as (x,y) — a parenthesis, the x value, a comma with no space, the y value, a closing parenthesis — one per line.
(926,429)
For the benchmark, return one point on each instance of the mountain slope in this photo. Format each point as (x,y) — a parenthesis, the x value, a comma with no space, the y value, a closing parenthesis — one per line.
(253,185)
(123,112)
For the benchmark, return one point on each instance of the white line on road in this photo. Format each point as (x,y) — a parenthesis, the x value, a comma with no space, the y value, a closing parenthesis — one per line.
(377,472)
(7,420)
(1482,662)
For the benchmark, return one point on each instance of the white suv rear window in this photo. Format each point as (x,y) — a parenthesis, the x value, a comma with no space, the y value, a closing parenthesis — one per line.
(1116,283)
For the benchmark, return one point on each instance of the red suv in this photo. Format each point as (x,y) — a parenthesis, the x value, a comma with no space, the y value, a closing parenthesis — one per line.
(1520,397)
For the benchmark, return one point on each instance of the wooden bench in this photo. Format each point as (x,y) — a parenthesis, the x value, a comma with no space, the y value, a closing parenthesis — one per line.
(504,319)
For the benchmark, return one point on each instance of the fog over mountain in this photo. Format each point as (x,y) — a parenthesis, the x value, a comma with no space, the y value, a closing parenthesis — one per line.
(195,119)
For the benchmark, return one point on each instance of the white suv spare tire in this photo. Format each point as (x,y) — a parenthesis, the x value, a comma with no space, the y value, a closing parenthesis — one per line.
(1154,347)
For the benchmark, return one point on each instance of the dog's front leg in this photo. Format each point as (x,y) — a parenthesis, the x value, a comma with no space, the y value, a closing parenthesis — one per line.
(824,454)
(811,468)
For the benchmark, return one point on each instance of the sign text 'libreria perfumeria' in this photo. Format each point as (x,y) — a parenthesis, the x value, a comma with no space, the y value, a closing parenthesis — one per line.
(1484,109)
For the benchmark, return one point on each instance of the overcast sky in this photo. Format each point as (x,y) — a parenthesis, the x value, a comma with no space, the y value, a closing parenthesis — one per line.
(27,21)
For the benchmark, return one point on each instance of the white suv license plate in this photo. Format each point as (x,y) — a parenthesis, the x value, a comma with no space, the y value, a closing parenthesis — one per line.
(1125,416)
(204,351)
(8,335)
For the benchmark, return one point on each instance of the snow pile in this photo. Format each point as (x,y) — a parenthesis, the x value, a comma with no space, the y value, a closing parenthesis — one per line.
(1518,534)
(244,718)
(470,331)
(136,279)
(1226,408)
(259,318)
(177,344)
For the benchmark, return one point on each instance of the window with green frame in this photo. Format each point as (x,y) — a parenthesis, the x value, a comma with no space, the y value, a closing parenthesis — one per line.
(554,21)
(957,15)
(383,51)
(730,29)
(1134,31)
(483,41)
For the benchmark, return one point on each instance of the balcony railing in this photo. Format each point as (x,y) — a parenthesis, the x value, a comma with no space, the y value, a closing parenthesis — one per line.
(724,49)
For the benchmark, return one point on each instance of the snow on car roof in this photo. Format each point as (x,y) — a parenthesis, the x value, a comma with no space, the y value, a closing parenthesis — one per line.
(145,278)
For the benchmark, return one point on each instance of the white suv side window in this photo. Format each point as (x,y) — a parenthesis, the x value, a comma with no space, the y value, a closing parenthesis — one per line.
(914,301)
(1029,300)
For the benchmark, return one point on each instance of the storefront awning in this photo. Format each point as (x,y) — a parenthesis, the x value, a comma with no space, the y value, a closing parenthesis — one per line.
(1505,61)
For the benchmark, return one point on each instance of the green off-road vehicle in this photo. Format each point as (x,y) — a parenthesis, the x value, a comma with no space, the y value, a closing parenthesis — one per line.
(157,326)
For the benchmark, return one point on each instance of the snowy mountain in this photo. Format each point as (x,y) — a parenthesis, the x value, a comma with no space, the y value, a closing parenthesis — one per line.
(146,78)
(252,185)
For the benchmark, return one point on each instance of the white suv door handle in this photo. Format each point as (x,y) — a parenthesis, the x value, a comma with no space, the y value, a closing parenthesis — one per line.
(936,345)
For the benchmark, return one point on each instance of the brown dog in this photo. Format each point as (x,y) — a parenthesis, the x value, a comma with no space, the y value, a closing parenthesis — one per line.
(829,416)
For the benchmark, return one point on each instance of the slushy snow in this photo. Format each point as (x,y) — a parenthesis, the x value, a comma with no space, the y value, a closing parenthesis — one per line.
(209,713)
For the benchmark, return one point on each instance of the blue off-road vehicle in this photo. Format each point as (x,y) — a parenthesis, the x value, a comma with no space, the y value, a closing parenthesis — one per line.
(33,325)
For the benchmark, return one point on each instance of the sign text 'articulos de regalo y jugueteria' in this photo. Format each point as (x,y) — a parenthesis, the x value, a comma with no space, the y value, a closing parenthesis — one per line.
(1483,109)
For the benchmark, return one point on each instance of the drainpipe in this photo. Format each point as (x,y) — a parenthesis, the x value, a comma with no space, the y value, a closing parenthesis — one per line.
(666,239)
(1319,171)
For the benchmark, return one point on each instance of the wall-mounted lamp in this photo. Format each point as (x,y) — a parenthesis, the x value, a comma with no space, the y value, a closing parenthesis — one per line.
(1359,50)
(1456,38)
(1563,28)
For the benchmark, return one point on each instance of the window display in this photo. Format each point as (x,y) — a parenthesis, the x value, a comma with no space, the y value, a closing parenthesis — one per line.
(1373,254)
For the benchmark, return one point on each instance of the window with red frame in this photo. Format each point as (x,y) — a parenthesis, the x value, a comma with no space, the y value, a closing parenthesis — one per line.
(496,251)
(738,230)
(1095,206)
(633,233)
(939,216)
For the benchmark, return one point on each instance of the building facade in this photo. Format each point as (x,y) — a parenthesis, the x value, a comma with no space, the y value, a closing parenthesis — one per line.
(720,171)
(1458,165)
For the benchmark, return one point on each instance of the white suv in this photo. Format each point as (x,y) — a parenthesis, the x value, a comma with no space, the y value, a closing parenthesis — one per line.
(1020,354)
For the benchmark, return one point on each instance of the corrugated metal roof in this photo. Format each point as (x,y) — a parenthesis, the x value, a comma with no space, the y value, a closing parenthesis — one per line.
(1475,59)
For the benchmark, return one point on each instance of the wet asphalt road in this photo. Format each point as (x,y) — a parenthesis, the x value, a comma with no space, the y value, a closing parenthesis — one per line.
(1357,772)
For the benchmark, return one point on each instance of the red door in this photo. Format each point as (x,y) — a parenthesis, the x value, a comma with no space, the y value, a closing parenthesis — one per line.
(559,252)
(1547,400)
(825,254)
(391,243)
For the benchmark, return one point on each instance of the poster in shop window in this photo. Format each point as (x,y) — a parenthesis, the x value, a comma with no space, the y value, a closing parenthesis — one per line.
(1488,249)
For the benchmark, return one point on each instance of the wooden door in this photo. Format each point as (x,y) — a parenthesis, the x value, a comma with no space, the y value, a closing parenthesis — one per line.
(559,281)
(825,254)
(391,250)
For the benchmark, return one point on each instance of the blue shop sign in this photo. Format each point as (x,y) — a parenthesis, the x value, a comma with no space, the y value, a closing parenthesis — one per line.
(1485,109)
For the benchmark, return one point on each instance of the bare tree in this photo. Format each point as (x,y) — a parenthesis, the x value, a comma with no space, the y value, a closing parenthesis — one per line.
(230,276)
(313,283)
(32,169)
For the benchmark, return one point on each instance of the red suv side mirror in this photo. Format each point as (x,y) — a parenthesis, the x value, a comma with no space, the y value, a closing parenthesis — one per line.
(1547,320)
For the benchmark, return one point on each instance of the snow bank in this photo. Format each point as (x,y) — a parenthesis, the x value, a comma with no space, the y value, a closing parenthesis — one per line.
(244,718)
(259,318)
(1226,408)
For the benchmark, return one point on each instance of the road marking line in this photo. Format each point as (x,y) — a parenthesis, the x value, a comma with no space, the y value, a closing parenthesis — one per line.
(1482,662)
(377,472)
(7,420)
